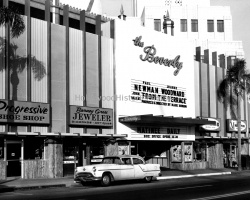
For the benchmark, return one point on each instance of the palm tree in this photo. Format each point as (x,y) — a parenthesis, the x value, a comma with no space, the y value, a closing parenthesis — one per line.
(231,91)
(11,16)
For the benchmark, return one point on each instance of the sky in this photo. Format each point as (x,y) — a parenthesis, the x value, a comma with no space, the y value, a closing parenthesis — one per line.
(240,10)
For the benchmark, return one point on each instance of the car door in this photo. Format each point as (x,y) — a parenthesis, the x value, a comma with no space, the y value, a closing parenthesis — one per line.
(127,169)
(139,168)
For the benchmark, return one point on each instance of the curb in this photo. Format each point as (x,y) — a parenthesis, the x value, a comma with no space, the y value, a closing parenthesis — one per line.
(11,189)
(190,176)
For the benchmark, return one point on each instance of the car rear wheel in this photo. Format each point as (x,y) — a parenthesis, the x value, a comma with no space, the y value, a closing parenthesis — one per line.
(106,180)
(148,179)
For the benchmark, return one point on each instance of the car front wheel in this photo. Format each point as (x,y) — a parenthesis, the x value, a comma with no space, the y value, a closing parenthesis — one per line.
(106,180)
(148,179)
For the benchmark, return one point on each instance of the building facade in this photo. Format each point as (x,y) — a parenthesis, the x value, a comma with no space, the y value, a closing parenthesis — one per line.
(77,86)
(52,79)
(209,29)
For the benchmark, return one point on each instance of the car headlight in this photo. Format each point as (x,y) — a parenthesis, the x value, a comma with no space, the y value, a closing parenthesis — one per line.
(94,169)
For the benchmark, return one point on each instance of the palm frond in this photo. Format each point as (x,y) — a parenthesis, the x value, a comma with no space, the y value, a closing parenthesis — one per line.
(10,15)
(222,91)
(38,68)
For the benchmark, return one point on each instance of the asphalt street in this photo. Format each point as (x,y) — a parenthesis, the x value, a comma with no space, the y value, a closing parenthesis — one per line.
(200,188)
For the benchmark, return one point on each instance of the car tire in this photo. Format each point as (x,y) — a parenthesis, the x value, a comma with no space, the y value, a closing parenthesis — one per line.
(148,179)
(106,180)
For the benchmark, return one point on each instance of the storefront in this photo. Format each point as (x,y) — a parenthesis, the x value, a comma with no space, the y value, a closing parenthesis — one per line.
(53,113)
(49,155)
(221,151)
(164,140)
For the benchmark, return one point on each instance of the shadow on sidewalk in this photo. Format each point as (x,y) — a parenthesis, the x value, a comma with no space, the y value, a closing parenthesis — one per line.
(9,179)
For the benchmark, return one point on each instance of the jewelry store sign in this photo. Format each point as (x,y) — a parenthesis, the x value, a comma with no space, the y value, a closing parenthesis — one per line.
(24,112)
(91,116)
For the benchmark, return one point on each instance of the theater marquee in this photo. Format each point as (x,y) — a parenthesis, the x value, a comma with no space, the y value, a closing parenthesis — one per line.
(91,116)
(179,133)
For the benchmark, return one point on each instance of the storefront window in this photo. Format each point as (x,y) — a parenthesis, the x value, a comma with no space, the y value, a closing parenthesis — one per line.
(70,154)
(96,153)
(199,152)
(1,149)
(33,148)
(188,152)
(176,153)
(123,148)
(149,149)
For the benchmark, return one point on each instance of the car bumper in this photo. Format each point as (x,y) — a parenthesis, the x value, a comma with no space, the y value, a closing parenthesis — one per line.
(85,177)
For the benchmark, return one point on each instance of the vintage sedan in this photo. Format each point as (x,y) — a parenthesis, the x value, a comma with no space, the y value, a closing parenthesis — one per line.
(114,168)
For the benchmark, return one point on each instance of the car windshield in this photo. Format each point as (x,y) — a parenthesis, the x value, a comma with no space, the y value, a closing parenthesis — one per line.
(109,160)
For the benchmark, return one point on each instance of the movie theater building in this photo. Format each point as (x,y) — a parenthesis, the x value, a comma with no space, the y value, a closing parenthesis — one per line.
(52,77)
(155,89)
(214,145)
(173,102)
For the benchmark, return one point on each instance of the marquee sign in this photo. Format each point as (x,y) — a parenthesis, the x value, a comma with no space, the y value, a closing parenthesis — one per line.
(160,133)
(232,125)
(209,127)
(24,112)
(158,94)
(91,116)
(163,137)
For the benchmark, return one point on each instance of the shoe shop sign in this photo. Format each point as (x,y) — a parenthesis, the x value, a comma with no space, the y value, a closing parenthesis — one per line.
(24,112)
(91,116)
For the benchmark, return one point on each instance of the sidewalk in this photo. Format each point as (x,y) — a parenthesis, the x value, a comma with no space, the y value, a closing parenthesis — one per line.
(12,184)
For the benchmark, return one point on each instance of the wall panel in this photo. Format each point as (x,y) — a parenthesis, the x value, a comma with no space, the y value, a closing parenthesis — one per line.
(58,78)
(213,88)
(75,130)
(204,87)
(197,88)
(2,69)
(92,93)
(107,76)
(92,70)
(18,63)
(107,73)
(42,129)
(221,111)
(2,63)
(39,65)
(76,67)
(39,83)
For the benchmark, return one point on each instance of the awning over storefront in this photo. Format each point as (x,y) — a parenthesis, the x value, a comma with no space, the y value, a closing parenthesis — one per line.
(203,139)
(164,120)
(58,134)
